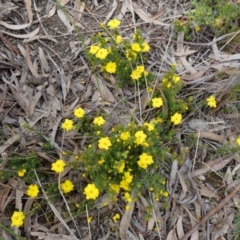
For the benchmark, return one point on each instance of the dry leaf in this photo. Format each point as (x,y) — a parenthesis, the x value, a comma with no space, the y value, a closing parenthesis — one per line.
(65,20)
(22,100)
(142,14)
(125,220)
(52,11)
(144,100)
(43,60)
(28,4)
(123,11)
(63,83)
(206,192)
(29,35)
(185,52)
(110,13)
(105,93)
(4,197)
(51,236)
(30,65)
(14,27)
(173,174)
(183,185)
(228,222)
(34,102)
(48,37)
(180,231)
(213,165)
(194,76)
(63,2)
(103,201)
(9,142)
(211,136)
(172,235)
(78,10)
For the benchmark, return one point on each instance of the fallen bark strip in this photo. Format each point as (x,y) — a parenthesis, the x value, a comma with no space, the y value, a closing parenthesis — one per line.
(211,213)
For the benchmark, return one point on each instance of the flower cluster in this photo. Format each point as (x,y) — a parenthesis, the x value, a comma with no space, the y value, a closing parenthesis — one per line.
(123,160)
(119,55)
(68,124)
(127,157)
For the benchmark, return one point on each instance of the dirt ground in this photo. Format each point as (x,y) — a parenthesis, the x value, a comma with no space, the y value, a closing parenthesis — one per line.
(45,75)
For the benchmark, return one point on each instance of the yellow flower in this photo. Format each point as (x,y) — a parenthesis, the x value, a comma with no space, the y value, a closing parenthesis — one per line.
(104,143)
(116,217)
(144,160)
(118,39)
(218,21)
(111,67)
(114,23)
(128,177)
(58,166)
(150,126)
(211,101)
(32,190)
(176,118)
(94,49)
(135,74)
(21,172)
(67,125)
(125,185)
(126,180)
(176,78)
(79,112)
(145,47)
(156,121)
(238,141)
(165,194)
(140,137)
(115,188)
(91,191)
(101,161)
(136,47)
(89,219)
(197,28)
(125,136)
(67,186)
(130,55)
(102,53)
(121,167)
(127,207)
(99,121)
(127,197)
(157,102)
(140,69)
(17,219)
